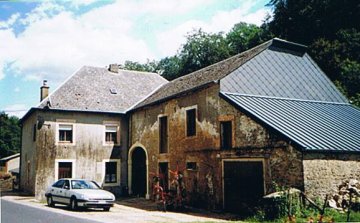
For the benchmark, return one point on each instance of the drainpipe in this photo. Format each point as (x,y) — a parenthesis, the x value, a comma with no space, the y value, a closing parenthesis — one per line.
(21,155)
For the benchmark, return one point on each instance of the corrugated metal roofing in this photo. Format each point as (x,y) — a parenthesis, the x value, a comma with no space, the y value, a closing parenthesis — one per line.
(315,126)
(286,74)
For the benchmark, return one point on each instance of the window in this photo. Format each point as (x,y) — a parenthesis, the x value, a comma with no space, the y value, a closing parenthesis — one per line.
(110,172)
(59,184)
(226,134)
(64,170)
(111,134)
(191,122)
(191,166)
(66,133)
(34,132)
(163,129)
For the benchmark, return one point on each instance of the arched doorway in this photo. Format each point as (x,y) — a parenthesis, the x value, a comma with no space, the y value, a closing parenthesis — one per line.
(138,172)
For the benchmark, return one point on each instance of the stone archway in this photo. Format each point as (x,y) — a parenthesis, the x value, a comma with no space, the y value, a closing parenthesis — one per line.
(138,171)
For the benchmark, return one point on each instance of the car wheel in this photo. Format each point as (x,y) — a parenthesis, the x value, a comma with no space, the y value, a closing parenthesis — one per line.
(50,201)
(73,204)
(107,209)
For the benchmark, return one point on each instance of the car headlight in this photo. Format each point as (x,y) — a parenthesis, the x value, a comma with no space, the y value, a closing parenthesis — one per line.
(84,197)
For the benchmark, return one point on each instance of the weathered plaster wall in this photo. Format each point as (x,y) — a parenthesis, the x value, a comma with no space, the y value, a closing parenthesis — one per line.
(88,151)
(28,155)
(282,162)
(323,173)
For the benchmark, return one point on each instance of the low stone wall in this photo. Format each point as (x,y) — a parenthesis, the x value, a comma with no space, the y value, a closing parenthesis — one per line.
(323,173)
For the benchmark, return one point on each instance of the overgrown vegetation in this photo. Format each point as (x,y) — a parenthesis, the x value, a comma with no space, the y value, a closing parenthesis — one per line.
(9,135)
(291,205)
(330,29)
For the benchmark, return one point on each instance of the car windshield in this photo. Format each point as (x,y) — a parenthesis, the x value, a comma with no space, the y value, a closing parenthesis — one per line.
(83,184)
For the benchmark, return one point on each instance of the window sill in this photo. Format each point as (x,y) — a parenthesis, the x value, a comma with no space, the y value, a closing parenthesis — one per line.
(111,144)
(111,184)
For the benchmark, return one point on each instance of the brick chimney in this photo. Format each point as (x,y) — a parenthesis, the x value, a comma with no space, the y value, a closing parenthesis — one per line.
(114,68)
(44,90)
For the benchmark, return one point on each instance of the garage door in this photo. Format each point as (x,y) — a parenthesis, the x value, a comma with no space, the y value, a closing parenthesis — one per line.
(243,185)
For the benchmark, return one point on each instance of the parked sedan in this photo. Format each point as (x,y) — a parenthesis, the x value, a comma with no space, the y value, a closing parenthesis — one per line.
(79,193)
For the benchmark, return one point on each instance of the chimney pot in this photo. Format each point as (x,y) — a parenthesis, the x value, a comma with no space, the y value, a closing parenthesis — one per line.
(114,68)
(44,90)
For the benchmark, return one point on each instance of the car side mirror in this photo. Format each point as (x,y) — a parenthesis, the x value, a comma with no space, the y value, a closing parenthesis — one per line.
(66,187)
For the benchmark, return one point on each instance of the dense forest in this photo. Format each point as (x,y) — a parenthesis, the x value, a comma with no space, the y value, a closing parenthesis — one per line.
(330,29)
(9,135)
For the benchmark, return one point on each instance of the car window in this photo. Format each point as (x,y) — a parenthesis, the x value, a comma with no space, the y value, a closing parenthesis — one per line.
(66,184)
(83,184)
(59,184)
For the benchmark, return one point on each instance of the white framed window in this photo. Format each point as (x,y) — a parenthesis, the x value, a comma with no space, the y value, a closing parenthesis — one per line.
(65,132)
(65,168)
(111,172)
(112,133)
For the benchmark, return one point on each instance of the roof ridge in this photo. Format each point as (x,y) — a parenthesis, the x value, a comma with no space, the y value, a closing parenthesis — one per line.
(285,99)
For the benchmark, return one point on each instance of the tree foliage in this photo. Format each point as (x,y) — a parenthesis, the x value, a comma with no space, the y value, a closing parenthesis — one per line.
(9,135)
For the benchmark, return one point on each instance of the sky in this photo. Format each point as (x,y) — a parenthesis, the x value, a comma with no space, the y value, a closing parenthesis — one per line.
(53,39)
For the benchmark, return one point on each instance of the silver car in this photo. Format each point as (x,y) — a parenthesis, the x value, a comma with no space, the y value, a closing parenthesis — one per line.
(79,193)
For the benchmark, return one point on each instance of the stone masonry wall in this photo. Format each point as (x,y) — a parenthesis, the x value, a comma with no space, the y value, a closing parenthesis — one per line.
(323,173)
(282,162)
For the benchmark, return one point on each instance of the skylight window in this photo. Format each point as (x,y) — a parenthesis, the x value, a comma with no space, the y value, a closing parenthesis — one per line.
(113,91)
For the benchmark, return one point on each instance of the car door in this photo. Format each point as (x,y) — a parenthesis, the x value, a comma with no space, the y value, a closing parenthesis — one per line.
(55,190)
(66,192)
(62,192)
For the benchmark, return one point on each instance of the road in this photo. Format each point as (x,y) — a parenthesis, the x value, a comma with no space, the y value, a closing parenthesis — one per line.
(19,213)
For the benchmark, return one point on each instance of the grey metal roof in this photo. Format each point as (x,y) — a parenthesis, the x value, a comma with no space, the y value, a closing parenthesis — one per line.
(99,90)
(203,76)
(315,126)
(282,73)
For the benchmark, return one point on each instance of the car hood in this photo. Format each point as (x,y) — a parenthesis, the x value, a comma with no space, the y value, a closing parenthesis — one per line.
(94,193)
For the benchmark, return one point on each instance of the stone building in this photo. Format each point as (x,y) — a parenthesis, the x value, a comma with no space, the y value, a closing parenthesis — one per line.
(81,129)
(236,129)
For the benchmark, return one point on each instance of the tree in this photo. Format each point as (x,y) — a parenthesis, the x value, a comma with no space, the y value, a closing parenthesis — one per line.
(10,132)
(303,21)
(244,36)
(202,49)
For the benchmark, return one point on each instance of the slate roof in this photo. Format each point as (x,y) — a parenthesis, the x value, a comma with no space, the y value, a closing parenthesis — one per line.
(285,74)
(315,126)
(93,88)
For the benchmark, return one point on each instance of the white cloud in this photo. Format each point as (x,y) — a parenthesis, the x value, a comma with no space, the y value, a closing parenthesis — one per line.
(17,89)
(8,23)
(52,47)
(169,41)
(18,110)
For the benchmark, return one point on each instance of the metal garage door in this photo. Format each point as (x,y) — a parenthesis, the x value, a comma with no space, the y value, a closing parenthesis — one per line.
(243,185)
